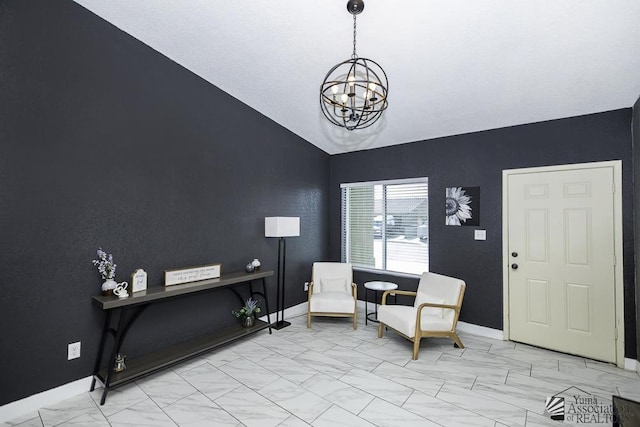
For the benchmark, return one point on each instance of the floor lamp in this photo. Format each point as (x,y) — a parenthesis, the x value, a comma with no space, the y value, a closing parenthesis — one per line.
(281,227)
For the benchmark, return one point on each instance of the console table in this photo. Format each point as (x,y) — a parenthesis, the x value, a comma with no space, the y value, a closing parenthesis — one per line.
(129,310)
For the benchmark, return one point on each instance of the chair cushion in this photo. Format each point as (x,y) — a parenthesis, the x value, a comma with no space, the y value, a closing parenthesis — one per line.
(332,302)
(439,286)
(422,298)
(331,270)
(445,287)
(402,318)
(334,285)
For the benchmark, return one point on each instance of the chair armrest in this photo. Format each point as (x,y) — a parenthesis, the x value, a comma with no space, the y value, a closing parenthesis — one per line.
(396,292)
(310,290)
(431,304)
(434,305)
(456,308)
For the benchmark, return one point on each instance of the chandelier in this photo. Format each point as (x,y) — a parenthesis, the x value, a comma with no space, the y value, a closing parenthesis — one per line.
(354,92)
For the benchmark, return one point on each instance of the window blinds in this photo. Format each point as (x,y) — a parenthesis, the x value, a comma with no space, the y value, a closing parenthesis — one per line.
(385,225)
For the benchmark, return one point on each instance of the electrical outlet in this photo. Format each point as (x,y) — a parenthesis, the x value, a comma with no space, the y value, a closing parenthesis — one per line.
(306,286)
(73,351)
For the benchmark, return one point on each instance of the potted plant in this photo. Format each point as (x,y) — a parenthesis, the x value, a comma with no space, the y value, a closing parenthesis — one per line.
(247,313)
(107,269)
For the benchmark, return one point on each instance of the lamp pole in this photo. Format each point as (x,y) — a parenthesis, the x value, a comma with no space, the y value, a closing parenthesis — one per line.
(281,227)
(282,249)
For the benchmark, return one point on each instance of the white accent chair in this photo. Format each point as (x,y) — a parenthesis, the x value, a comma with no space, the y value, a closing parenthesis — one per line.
(434,313)
(332,292)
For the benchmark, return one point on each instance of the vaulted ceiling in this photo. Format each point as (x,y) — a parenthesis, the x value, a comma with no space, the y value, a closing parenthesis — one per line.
(454,66)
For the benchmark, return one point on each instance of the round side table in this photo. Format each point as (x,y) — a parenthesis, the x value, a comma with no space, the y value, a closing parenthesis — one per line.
(375,286)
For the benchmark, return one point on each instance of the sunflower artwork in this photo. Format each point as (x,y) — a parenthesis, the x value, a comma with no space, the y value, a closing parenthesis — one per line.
(463,206)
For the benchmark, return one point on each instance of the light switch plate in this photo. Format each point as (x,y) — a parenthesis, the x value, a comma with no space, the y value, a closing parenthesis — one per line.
(480,234)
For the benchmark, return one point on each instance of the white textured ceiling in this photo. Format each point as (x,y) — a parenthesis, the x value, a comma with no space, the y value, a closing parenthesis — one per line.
(454,66)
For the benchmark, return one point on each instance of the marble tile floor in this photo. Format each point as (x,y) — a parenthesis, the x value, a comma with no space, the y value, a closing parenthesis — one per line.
(331,375)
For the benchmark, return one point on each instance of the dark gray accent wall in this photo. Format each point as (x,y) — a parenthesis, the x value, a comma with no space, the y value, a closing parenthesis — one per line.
(635,130)
(105,142)
(478,159)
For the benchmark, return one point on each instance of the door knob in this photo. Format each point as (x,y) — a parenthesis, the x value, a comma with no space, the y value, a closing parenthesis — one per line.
(514,254)
(514,266)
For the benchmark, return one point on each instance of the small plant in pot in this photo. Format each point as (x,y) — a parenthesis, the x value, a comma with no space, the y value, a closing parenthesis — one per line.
(247,313)
(107,269)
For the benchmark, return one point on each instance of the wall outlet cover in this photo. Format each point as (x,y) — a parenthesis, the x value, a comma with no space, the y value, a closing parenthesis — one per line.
(73,351)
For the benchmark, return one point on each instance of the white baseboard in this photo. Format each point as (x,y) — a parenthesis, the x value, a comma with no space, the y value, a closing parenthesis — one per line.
(470,328)
(32,403)
(482,331)
(631,365)
(295,311)
(29,404)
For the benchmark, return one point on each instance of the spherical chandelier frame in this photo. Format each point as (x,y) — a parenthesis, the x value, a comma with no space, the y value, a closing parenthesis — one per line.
(354,92)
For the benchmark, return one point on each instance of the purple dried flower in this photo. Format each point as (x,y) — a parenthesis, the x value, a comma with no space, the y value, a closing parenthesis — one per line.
(104,263)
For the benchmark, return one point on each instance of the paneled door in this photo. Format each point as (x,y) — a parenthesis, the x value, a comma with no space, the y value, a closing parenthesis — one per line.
(561,280)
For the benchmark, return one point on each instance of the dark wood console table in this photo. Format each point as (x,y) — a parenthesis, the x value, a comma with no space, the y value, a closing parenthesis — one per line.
(132,307)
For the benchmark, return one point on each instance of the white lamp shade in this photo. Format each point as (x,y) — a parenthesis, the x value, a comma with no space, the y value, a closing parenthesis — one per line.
(281,226)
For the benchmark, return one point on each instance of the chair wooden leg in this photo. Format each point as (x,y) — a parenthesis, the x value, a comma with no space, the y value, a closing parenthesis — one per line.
(355,321)
(416,347)
(308,320)
(456,339)
(380,328)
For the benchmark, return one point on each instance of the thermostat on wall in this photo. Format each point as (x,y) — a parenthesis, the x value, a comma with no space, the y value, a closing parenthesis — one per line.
(480,235)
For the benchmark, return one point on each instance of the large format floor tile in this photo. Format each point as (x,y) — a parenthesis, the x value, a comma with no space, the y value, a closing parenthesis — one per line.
(331,375)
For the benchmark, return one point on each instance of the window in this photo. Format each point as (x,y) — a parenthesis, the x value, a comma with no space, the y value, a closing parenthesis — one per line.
(385,225)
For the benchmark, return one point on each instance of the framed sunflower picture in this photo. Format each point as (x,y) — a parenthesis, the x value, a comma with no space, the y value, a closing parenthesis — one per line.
(462,206)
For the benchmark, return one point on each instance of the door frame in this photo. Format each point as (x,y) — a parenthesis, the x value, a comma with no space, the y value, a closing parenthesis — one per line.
(617,236)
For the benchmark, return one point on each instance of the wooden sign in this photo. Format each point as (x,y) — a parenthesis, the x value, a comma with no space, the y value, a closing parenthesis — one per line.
(192,274)
(139,280)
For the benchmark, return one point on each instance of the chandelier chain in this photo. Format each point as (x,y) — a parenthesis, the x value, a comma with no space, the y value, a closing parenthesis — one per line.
(354,54)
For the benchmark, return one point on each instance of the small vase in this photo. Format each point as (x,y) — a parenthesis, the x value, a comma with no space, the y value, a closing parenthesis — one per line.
(247,321)
(108,286)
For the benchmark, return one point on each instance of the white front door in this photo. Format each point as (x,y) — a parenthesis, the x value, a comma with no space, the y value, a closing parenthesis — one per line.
(561,273)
